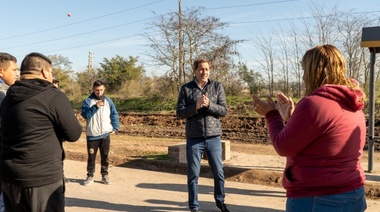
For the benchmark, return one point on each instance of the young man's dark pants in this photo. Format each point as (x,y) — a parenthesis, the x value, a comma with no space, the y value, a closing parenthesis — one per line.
(103,145)
(49,197)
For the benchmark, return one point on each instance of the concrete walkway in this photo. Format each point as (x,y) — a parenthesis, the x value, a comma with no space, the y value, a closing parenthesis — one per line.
(136,190)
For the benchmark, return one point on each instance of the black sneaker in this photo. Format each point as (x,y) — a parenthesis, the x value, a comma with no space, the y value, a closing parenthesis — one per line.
(194,210)
(222,207)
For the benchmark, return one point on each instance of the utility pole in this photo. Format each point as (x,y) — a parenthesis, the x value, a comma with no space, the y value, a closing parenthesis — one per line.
(180,50)
(371,39)
(89,66)
(90,71)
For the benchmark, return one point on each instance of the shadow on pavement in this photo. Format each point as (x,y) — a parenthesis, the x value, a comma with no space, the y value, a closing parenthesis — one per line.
(237,174)
(202,189)
(207,206)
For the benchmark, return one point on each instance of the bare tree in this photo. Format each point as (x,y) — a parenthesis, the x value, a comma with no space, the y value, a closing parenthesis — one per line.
(285,59)
(200,39)
(297,53)
(164,43)
(350,29)
(266,60)
(323,28)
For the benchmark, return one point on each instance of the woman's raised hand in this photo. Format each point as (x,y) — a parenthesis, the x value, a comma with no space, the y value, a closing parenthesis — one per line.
(285,106)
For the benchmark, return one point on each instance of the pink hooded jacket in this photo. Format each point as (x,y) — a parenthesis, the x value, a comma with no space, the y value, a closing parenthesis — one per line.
(323,142)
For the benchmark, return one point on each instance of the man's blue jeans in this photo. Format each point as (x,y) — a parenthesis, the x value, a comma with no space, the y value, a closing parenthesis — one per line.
(353,201)
(1,200)
(194,150)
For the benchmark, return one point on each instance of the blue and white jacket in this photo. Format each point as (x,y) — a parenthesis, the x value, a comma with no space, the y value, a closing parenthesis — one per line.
(100,122)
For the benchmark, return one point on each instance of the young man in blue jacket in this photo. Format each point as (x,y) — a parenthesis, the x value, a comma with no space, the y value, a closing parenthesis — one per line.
(102,120)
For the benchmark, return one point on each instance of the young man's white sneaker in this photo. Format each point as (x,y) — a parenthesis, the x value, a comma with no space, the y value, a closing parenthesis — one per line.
(88,181)
(106,180)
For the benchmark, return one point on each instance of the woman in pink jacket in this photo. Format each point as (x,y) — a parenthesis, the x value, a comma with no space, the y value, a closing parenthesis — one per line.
(322,137)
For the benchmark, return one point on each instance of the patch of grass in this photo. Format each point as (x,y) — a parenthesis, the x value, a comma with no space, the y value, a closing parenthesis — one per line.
(236,100)
(240,106)
(157,157)
(146,104)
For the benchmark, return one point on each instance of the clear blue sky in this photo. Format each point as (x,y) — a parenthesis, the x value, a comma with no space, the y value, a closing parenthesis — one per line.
(113,27)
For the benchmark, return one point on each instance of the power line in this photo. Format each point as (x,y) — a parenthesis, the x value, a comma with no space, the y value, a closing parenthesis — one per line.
(79,22)
(75,35)
(296,18)
(247,22)
(231,23)
(129,9)
(249,5)
(89,44)
(60,17)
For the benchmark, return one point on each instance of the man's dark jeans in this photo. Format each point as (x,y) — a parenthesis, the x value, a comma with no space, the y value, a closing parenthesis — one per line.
(103,145)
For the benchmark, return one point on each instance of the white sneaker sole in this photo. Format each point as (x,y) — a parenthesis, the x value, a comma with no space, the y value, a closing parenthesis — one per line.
(86,184)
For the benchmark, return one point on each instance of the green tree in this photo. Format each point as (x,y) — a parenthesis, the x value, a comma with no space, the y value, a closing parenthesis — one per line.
(118,70)
(253,79)
(62,70)
(85,79)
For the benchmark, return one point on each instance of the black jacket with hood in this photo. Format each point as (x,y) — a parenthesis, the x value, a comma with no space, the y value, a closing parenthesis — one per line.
(35,118)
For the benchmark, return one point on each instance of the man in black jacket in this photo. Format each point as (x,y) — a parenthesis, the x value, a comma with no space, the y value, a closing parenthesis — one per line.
(35,118)
(202,102)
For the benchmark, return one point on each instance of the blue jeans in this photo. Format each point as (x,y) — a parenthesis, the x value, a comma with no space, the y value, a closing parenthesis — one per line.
(1,201)
(353,201)
(194,150)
